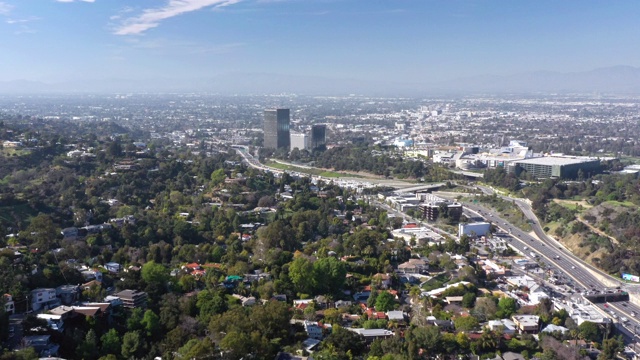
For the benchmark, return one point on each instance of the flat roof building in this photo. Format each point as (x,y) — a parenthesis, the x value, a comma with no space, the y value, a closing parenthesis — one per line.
(133,298)
(276,129)
(556,167)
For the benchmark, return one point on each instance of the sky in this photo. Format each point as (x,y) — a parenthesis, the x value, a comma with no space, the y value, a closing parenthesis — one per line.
(381,40)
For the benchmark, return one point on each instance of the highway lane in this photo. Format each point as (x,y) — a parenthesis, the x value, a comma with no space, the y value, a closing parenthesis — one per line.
(554,255)
(551,241)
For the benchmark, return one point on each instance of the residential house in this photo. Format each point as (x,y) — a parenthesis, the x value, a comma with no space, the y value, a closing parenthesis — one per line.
(443,325)
(113,267)
(132,299)
(195,270)
(383,281)
(127,219)
(70,233)
(9,305)
(342,304)
(54,321)
(553,328)
(42,345)
(414,266)
(302,304)
(245,301)
(527,324)
(313,330)
(89,275)
(397,316)
(68,294)
(44,299)
(505,325)
(454,300)
(509,355)
(372,334)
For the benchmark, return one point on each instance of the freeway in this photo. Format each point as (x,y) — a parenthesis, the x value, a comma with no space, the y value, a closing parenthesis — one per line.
(554,255)
(604,279)
(589,277)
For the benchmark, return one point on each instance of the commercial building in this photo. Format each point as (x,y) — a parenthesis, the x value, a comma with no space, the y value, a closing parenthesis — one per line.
(317,136)
(299,141)
(556,167)
(434,207)
(527,324)
(474,229)
(276,129)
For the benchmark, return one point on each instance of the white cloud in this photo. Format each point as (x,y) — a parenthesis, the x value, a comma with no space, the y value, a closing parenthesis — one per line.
(151,18)
(5,8)
(22,21)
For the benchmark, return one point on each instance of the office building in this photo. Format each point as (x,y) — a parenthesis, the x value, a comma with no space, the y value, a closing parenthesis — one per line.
(433,207)
(300,141)
(276,129)
(317,136)
(556,167)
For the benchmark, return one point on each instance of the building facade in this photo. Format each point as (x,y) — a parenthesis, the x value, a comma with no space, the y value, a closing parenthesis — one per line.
(318,136)
(299,141)
(276,129)
(556,167)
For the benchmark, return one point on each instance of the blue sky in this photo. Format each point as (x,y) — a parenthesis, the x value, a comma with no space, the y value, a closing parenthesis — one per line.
(386,40)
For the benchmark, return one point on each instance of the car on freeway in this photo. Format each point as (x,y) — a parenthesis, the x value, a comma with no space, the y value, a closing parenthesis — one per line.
(573,267)
(606,305)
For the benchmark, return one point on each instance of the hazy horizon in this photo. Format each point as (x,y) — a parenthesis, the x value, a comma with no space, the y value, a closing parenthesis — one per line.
(385,42)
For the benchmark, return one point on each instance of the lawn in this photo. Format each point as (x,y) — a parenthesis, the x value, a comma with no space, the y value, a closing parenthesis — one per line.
(574,205)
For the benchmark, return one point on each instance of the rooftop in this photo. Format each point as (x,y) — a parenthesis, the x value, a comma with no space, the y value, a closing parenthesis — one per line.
(554,160)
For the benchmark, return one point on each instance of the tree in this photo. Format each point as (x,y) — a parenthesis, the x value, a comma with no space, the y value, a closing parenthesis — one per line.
(484,309)
(301,274)
(426,338)
(385,301)
(42,232)
(236,344)
(89,347)
(110,342)
(466,323)
(468,300)
(154,273)
(195,349)
(329,275)
(217,177)
(610,348)
(151,323)
(506,307)
(132,344)
(590,331)
(343,341)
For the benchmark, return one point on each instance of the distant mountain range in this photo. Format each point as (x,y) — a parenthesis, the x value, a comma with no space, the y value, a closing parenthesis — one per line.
(613,80)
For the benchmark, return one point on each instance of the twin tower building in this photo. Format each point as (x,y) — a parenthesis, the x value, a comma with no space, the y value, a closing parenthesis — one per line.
(277,133)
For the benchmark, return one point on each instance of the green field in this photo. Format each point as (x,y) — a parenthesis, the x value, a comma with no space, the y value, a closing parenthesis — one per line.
(621,203)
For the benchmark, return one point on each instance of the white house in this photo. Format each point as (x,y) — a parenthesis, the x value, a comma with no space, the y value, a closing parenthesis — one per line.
(313,330)
(44,299)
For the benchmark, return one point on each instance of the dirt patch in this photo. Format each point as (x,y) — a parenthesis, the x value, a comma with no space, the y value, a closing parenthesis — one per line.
(573,242)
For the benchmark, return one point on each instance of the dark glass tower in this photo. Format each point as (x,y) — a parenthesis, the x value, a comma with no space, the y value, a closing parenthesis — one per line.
(276,129)
(318,136)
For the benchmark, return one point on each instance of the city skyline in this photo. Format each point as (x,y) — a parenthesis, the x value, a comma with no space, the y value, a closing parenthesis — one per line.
(401,41)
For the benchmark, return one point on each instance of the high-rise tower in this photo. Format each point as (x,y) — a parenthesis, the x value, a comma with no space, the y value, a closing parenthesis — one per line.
(276,129)
(318,136)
